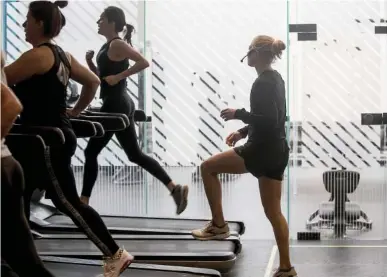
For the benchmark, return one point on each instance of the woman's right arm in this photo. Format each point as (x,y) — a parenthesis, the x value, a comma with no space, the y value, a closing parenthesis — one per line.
(90,63)
(92,67)
(89,81)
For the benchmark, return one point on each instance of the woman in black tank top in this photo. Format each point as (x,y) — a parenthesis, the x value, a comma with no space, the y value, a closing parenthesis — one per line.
(40,77)
(112,68)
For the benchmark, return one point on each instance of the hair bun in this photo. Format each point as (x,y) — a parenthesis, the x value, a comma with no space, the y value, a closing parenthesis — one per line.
(61,4)
(278,46)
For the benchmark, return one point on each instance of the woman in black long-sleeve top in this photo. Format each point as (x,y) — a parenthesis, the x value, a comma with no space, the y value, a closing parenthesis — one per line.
(265,154)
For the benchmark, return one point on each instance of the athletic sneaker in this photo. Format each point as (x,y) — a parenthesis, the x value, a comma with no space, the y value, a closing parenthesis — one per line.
(212,232)
(180,195)
(117,264)
(285,273)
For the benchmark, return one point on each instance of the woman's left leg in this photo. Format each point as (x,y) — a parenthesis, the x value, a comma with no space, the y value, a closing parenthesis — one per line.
(128,140)
(274,160)
(225,162)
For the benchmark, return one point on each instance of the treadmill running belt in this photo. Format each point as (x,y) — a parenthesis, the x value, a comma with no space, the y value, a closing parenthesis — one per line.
(144,223)
(62,267)
(162,247)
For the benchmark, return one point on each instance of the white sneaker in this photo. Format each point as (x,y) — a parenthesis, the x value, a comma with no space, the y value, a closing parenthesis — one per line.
(114,266)
(212,232)
(291,272)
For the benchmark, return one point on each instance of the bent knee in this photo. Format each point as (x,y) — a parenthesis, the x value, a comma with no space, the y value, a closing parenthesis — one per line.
(69,207)
(135,158)
(207,167)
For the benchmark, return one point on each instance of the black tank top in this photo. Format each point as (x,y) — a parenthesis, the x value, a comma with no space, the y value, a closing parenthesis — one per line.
(107,67)
(44,96)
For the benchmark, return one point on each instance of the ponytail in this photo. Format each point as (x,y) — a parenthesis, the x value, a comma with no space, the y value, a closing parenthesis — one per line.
(128,33)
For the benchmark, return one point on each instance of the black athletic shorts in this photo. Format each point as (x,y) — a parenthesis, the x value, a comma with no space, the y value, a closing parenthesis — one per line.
(265,159)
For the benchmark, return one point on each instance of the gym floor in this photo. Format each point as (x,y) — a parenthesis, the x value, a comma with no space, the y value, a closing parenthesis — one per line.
(360,254)
(365,259)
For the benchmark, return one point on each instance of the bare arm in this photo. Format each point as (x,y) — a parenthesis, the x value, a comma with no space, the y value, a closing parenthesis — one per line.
(34,61)
(92,67)
(124,51)
(10,109)
(89,81)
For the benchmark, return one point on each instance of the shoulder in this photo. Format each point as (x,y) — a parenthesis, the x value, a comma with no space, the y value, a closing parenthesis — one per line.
(268,81)
(118,44)
(36,55)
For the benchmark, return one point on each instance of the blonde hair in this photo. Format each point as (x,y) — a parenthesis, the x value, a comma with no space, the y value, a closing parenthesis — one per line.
(273,47)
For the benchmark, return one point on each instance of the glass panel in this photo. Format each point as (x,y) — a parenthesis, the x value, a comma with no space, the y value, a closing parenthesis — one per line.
(195,72)
(337,65)
(383,91)
(196,51)
(118,178)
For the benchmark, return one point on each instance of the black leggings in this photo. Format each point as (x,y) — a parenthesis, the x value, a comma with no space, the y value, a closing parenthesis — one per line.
(128,141)
(63,193)
(18,253)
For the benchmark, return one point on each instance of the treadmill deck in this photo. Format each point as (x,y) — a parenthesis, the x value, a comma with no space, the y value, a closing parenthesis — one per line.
(63,267)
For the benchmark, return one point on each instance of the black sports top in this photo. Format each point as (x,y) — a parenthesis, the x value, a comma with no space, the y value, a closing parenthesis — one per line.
(267,117)
(44,96)
(107,67)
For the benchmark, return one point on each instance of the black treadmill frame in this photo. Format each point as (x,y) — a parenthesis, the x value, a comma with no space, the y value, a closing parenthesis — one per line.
(165,268)
(221,261)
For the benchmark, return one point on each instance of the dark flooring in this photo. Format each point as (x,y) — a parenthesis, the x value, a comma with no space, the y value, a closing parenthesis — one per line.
(314,259)
(361,254)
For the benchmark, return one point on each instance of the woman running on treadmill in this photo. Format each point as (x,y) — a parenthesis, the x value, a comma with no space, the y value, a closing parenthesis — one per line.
(265,154)
(112,68)
(19,258)
(39,78)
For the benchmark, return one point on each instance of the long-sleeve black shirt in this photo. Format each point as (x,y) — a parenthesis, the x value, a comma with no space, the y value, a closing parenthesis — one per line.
(267,117)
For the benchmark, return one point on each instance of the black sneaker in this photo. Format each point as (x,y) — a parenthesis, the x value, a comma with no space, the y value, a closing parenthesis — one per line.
(285,273)
(180,196)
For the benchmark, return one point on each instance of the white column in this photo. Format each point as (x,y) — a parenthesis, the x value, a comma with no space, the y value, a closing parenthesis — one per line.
(295,86)
(383,98)
(141,29)
(383,60)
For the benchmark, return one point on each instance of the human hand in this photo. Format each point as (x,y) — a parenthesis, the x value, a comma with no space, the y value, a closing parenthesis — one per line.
(233,138)
(72,113)
(112,80)
(228,114)
(89,55)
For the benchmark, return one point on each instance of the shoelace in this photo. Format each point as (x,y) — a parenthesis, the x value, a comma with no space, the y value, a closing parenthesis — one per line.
(207,226)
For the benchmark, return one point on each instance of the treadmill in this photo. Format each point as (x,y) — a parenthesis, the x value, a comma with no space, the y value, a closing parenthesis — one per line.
(65,267)
(46,219)
(150,249)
